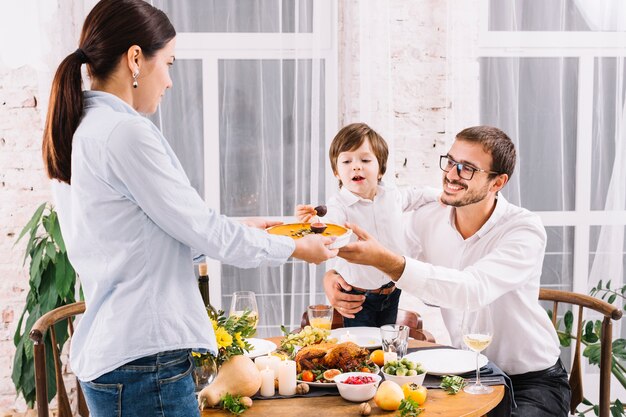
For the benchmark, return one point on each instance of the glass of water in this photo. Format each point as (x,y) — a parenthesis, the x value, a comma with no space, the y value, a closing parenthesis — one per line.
(395,338)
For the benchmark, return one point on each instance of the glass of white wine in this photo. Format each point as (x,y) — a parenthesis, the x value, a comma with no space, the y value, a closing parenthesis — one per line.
(477,330)
(242,301)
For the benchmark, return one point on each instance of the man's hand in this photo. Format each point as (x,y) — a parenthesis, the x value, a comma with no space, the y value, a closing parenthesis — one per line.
(368,251)
(313,248)
(260,223)
(346,304)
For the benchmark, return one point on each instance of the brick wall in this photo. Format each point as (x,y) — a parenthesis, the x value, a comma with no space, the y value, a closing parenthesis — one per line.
(23,186)
(414,94)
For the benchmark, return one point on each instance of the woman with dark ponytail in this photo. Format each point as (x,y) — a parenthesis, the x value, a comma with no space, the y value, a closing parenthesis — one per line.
(130,219)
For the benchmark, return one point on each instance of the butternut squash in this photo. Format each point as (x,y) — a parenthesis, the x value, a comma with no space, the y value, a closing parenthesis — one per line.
(237,376)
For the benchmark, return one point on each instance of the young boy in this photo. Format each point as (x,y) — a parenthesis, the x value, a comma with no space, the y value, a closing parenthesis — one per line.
(358,157)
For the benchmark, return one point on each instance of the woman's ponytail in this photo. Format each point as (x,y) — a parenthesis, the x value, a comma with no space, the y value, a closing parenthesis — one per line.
(64,112)
(109,30)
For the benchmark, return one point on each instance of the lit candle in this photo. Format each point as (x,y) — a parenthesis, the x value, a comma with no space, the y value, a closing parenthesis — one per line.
(390,356)
(262,362)
(347,337)
(287,378)
(267,382)
(274,363)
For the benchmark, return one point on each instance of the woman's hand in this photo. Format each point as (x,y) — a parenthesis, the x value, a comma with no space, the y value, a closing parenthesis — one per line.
(313,248)
(260,223)
(305,212)
(346,304)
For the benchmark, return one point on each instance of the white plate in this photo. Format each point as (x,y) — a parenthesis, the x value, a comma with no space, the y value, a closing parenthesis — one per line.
(260,347)
(365,337)
(447,361)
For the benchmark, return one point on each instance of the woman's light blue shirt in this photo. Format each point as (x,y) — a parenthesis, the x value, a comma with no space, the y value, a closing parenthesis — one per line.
(130,220)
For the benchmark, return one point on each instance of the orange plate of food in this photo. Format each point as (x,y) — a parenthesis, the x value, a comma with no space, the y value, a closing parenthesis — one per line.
(298,230)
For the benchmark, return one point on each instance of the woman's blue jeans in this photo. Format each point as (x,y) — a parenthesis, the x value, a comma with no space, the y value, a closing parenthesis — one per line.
(157,385)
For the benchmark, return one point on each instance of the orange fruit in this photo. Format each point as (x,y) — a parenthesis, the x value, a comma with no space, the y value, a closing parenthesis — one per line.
(378,357)
(417,393)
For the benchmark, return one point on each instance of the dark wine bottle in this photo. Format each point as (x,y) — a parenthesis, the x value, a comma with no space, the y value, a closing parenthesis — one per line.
(203,285)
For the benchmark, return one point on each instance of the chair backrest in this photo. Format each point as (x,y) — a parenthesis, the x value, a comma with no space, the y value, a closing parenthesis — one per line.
(610,312)
(405,317)
(37,335)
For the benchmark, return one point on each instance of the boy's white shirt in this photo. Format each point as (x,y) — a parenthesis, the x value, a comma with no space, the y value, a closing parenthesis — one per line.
(381,218)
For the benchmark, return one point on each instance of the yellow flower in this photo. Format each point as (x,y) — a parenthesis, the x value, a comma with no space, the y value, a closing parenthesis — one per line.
(214,323)
(239,340)
(223,338)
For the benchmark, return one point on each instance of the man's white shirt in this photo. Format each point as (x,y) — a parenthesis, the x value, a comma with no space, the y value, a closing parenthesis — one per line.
(499,268)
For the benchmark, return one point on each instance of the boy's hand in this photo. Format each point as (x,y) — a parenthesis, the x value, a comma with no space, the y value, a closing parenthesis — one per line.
(305,212)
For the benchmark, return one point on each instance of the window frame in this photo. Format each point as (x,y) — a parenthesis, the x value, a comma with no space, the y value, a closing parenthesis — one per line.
(210,48)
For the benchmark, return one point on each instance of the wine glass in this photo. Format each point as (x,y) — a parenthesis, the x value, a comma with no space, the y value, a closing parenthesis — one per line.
(477,331)
(242,301)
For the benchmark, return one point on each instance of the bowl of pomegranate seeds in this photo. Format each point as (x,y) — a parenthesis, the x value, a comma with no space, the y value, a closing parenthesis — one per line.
(357,386)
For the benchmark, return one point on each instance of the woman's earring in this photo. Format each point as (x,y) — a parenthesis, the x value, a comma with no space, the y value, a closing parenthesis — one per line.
(135,75)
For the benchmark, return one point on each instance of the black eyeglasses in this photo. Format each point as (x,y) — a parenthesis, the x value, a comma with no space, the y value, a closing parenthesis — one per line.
(464,171)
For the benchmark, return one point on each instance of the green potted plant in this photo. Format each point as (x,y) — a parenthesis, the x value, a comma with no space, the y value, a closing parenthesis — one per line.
(591,341)
(52,283)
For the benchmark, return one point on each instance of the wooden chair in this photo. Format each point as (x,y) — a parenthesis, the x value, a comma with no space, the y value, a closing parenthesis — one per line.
(405,317)
(610,312)
(37,335)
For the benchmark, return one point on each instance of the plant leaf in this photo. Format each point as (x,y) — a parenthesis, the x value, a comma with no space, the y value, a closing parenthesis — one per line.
(32,223)
(35,264)
(65,277)
(589,335)
(564,339)
(608,285)
(597,328)
(568,319)
(612,298)
(592,352)
(619,348)
(51,252)
(57,236)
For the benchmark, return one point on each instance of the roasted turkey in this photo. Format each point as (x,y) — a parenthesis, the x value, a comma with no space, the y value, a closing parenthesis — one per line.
(345,356)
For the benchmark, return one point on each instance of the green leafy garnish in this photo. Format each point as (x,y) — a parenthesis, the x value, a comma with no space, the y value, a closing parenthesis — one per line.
(409,408)
(452,384)
(233,404)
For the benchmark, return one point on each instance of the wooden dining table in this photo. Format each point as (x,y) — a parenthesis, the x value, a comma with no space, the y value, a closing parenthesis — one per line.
(438,403)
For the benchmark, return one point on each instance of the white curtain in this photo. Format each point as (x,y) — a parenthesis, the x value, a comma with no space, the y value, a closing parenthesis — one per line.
(535,100)
(271,149)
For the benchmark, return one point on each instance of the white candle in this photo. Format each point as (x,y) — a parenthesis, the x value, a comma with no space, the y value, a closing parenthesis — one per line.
(267,382)
(274,363)
(347,337)
(390,356)
(287,378)
(262,362)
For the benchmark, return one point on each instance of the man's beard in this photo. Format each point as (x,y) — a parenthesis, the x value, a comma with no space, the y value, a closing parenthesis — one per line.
(469,197)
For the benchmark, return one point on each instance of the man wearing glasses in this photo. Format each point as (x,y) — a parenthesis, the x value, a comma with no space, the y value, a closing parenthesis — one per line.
(477,251)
